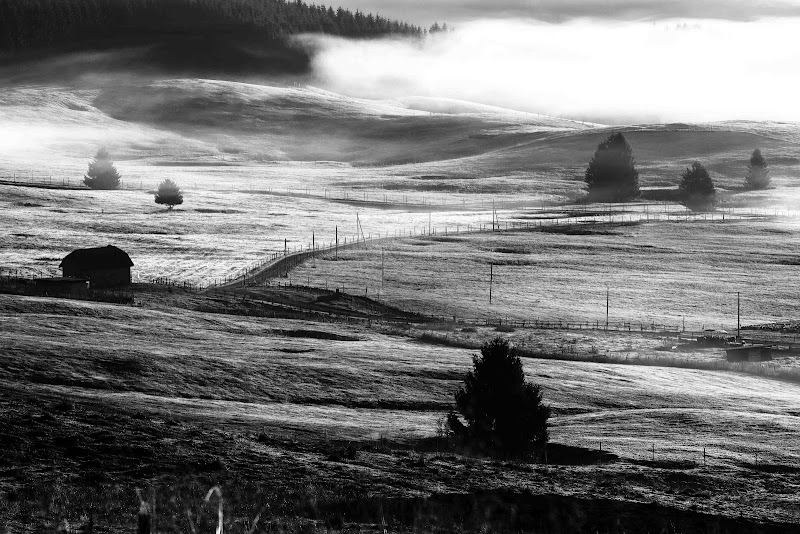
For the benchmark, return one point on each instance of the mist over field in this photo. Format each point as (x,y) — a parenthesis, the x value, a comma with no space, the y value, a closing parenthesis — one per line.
(601,71)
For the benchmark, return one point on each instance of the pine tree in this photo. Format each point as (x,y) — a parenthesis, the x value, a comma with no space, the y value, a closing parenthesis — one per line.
(611,175)
(757,171)
(697,188)
(169,194)
(503,413)
(102,174)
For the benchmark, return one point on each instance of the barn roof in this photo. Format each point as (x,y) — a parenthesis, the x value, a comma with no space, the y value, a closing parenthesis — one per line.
(108,257)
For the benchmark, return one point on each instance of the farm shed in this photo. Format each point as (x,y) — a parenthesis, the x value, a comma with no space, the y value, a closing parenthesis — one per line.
(61,286)
(749,353)
(106,266)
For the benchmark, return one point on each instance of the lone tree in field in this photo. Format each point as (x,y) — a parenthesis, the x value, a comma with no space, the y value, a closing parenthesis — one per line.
(611,174)
(697,188)
(757,171)
(102,174)
(169,194)
(503,413)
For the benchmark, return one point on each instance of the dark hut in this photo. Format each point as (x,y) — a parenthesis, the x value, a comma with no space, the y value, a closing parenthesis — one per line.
(103,266)
(749,353)
(73,287)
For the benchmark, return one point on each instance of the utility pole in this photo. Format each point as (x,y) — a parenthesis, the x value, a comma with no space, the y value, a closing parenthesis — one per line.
(382,268)
(429,223)
(360,231)
(738,317)
(337,242)
(607,299)
(491,279)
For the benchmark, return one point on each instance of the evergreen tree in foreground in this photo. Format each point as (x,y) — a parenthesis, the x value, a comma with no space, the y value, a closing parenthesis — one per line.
(757,171)
(169,194)
(503,413)
(611,174)
(102,174)
(697,188)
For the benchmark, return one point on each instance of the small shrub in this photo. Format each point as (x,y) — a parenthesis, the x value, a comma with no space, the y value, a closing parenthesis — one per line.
(415,460)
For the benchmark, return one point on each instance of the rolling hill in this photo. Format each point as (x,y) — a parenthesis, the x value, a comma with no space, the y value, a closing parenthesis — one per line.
(191,121)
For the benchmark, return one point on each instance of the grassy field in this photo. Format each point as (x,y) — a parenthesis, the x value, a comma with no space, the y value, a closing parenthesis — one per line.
(222,396)
(227,144)
(329,427)
(655,273)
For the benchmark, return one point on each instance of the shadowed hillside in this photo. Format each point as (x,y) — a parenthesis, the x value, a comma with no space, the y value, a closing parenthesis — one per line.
(304,123)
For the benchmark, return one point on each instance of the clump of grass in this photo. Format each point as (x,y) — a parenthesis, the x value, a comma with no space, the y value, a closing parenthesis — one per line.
(447,341)
(125,365)
(440,327)
(680,465)
(63,406)
(340,452)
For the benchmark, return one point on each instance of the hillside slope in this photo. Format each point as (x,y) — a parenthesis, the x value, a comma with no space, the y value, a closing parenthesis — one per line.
(260,122)
(305,123)
(661,152)
(205,120)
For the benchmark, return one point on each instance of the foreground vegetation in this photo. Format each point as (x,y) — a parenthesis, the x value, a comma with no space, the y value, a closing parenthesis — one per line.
(295,421)
(308,423)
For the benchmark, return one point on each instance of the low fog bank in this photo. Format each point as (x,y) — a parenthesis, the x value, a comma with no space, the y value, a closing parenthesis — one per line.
(458,11)
(607,72)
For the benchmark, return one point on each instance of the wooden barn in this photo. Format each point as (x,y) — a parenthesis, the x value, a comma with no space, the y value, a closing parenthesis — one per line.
(749,353)
(103,266)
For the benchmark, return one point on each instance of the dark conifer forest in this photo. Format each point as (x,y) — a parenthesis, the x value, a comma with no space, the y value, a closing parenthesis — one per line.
(187,27)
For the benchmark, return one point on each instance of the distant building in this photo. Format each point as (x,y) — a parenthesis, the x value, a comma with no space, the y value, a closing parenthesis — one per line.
(102,267)
(72,287)
(749,353)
